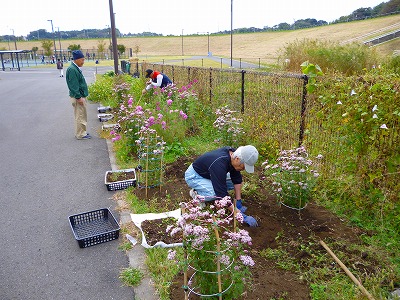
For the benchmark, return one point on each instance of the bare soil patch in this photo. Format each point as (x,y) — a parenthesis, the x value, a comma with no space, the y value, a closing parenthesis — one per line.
(279,227)
(155,231)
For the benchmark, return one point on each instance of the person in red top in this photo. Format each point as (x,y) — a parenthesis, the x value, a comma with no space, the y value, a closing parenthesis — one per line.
(157,79)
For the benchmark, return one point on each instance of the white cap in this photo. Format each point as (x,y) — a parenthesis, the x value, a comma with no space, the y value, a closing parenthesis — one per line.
(248,155)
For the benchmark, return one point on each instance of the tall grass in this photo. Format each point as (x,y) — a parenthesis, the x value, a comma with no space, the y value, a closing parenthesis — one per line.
(332,57)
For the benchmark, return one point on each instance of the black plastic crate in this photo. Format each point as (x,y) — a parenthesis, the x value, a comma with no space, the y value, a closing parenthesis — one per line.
(120,185)
(105,117)
(94,227)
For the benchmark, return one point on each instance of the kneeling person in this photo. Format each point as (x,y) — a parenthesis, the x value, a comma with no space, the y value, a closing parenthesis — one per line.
(216,172)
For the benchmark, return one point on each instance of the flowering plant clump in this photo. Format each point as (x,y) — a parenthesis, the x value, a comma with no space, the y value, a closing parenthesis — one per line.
(150,154)
(120,89)
(228,126)
(210,239)
(166,112)
(292,177)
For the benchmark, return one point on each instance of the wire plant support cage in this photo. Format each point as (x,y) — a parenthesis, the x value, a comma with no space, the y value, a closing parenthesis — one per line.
(222,272)
(151,160)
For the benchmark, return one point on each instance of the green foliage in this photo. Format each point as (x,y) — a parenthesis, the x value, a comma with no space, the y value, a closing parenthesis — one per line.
(101,47)
(101,90)
(360,115)
(131,276)
(349,59)
(312,71)
(73,47)
(121,48)
(47,46)
(174,151)
(158,265)
(393,64)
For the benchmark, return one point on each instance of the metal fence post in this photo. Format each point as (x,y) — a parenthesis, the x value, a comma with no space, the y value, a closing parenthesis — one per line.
(303,110)
(243,72)
(210,84)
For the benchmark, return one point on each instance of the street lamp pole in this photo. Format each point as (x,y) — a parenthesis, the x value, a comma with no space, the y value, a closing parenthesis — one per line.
(59,42)
(231,30)
(54,38)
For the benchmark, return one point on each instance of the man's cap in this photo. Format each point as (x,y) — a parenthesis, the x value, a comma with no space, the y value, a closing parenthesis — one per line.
(248,155)
(77,54)
(148,72)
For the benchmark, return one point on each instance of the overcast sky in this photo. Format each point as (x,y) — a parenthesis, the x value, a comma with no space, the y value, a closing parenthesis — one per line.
(20,17)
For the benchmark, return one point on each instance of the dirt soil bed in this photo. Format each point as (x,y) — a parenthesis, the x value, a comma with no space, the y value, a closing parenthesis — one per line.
(279,227)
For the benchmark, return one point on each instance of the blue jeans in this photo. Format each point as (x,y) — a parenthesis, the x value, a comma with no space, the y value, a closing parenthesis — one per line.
(203,186)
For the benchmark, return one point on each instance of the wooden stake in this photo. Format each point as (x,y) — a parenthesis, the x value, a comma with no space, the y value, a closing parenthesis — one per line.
(234,215)
(147,162)
(161,162)
(218,260)
(355,280)
(185,274)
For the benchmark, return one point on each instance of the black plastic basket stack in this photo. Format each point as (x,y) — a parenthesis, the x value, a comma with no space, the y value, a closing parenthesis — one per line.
(94,227)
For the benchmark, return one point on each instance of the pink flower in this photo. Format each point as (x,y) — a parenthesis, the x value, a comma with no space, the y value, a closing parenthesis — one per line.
(171,254)
(247,260)
(183,115)
(169,102)
(116,138)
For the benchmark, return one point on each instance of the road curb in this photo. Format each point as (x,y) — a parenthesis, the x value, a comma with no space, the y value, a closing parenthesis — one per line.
(137,255)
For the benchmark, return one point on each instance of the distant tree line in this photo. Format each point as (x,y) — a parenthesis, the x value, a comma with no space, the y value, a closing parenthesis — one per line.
(391,7)
(383,9)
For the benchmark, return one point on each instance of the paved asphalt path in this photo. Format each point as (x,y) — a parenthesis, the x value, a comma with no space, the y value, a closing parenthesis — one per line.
(225,61)
(46,176)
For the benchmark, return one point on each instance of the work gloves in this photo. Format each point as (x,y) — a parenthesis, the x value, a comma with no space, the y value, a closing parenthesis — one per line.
(239,206)
(249,220)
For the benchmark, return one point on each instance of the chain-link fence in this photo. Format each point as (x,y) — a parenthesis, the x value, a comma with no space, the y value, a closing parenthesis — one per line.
(272,105)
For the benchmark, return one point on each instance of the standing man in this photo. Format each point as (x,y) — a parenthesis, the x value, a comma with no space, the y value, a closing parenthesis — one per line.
(60,67)
(78,91)
(214,173)
(157,79)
